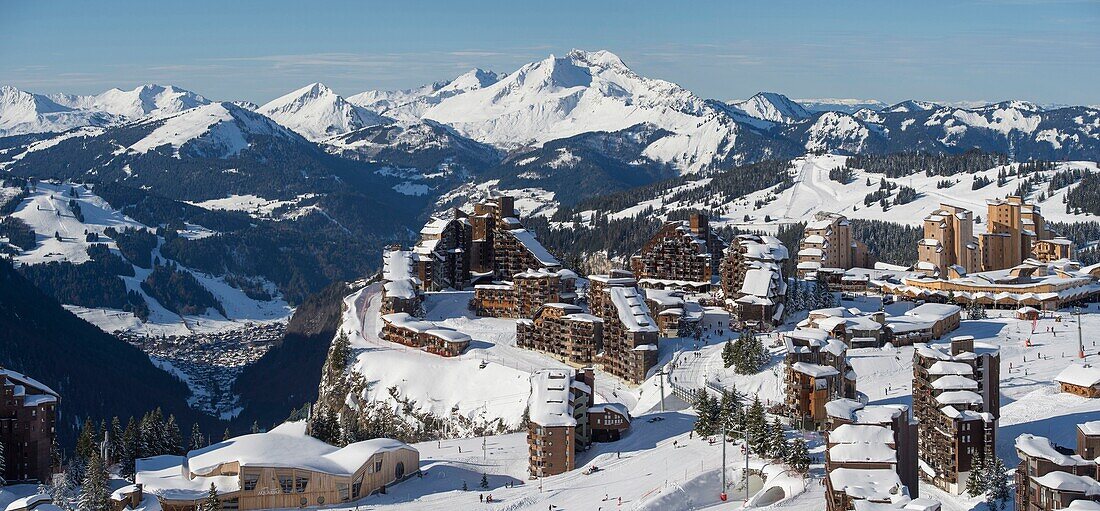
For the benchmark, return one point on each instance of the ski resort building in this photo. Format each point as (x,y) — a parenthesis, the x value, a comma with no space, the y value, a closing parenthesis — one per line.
(485,245)
(630,334)
(400,286)
(1016,231)
(1049,476)
(1080,379)
(923,323)
(949,247)
(828,244)
(559,426)
(525,293)
(282,468)
(442,257)
(864,420)
(956,399)
(564,330)
(682,255)
(751,274)
(855,328)
(675,316)
(404,329)
(1088,441)
(28,418)
(1045,286)
(817,371)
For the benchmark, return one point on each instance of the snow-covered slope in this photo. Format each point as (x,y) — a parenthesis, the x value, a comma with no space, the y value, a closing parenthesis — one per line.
(814,191)
(583,92)
(217,130)
(316,112)
(61,236)
(846,105)
(410,104)
(25,112)
(144,101)
(770,106)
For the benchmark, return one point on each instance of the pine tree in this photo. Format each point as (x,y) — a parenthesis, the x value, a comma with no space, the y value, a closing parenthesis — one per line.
(730,411)
(95,492)
(728,353)
(484,481)
(975,482)
(173,437)
(226,436)
(197,440)
(705,408)
(61,491)
(85,443)
(756,427)
(798,456)
(130,448)
(996,483)
(777,445)
(255,427)
(212,503)
(114,446)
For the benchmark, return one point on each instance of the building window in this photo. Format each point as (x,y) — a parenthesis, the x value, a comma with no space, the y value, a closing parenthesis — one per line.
(344,490)
(250,479)
(286,481)
(378,466)
(300,484)
(357,487)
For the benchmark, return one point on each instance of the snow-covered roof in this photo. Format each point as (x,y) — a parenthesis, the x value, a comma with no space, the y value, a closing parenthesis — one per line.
(26,381)
(814,239)
(408,322)
(814,370)
(448,335)
(1090,428)
(164,476)
(1035,446)
(1082,375)
(941,368)
(533,246)
(401,288)
(1064,481)
(1083,505)
(288,446)
(550,397)
(632,310)
(665,297)
(29,501)
(959,397)
(856,433)
(758,282)
(397,265)
(618,408)
(933,311)
(954,382)
(868,484)
(435,227)
(866,452)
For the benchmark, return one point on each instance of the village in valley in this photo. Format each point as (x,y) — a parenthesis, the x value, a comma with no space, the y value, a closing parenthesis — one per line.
(699,374)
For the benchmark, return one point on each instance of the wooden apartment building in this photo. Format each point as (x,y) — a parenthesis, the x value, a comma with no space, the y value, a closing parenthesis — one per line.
(28,418)
(405,329)
(751,274)
(817,371)
(956,399)
(1050,476)
(828,244)
(564,330)
(565,420)
(681,255)
(630,334)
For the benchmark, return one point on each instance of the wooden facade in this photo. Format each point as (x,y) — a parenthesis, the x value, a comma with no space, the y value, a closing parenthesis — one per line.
(28,417)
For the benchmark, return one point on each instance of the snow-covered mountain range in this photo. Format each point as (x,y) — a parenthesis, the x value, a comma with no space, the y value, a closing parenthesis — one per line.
(317,113)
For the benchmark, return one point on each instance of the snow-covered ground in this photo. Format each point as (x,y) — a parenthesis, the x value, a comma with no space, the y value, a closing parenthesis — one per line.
(47,211)
(645,468)
(813,191)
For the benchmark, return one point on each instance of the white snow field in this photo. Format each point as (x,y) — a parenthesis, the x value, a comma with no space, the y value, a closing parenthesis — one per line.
(47,212)
(657,465)
(813,191)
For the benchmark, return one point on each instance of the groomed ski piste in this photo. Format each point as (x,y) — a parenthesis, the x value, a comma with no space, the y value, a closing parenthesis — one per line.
(47,212)
(660,464)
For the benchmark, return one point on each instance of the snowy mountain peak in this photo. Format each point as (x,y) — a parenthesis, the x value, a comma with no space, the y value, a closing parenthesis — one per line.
(771,106)
(143,101)
(600,58)
(215,130)
(26,112)
(471,80)
(911,106)
(1023,106)
(316,112)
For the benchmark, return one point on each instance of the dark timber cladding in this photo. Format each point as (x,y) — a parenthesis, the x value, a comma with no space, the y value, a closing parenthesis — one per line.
(28,414)
(682,255)
(956,399)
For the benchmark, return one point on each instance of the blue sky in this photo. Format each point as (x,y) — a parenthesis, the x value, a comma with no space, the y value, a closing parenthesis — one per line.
(1046,51)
